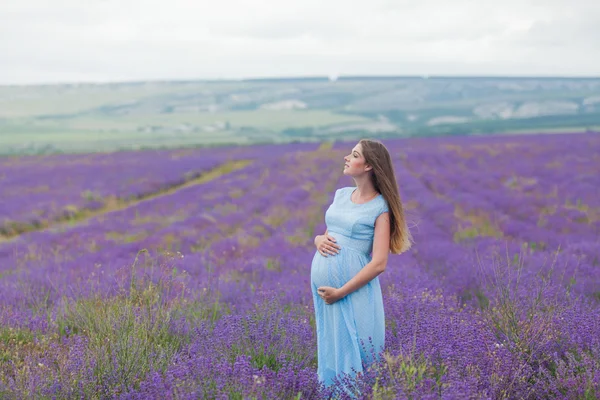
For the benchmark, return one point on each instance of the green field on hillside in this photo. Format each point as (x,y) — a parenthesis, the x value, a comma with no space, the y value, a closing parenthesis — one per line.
(93,117)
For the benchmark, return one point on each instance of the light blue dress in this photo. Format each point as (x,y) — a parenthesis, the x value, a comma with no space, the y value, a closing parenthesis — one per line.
(351,330)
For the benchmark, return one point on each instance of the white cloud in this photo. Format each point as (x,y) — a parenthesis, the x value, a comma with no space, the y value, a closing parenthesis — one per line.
(95,40)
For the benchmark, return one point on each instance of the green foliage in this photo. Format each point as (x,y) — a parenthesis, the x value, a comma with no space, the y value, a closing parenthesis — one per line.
(483,229)
(15,336)
(267,318)
(130,334)
(11,340)
(91,196)
(533,246)
(574,363)
(482,299)
(273,264)
(522,324)
(408,371)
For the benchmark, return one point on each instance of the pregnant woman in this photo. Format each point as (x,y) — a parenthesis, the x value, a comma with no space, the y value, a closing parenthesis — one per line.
(364,223)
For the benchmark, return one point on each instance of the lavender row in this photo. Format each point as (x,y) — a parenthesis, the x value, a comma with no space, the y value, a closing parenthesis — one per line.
(38,189)
(207,224)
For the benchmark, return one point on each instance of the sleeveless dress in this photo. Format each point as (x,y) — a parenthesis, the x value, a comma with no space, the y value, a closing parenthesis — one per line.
(350,331)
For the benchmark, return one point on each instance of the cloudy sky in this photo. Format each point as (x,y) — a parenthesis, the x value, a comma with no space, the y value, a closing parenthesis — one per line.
(48,41)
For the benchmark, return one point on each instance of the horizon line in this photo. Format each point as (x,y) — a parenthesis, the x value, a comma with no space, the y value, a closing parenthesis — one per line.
(301,78)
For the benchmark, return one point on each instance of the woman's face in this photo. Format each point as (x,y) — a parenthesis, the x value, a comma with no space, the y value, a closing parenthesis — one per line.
(354,163)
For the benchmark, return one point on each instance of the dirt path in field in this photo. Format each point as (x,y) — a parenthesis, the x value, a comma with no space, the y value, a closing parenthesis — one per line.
(116,204)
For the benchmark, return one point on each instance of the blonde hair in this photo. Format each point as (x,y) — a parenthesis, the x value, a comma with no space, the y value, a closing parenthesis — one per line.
(384,180)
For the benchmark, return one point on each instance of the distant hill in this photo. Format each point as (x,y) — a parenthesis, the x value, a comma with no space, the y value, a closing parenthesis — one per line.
(103,117)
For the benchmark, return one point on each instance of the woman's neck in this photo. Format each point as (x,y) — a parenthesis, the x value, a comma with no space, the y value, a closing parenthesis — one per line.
(365,190)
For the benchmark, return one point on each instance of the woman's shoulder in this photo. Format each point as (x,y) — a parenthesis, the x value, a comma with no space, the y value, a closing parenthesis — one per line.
(342,190)
(383,204)
(339,192)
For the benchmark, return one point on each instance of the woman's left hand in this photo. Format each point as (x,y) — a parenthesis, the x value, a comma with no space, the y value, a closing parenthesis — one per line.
(329,294)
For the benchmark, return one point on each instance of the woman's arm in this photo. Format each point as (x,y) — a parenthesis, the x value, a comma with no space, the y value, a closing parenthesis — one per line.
(381,249)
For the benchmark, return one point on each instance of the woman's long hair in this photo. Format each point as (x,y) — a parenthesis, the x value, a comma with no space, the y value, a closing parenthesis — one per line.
(384,180)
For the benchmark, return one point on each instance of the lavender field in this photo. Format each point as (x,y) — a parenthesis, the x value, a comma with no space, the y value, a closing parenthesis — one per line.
(184,274)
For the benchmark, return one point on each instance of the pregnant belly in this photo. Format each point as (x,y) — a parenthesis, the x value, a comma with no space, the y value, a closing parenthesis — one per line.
(336,270)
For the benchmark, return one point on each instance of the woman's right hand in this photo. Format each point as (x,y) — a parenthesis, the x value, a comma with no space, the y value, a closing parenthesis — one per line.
(326,245)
